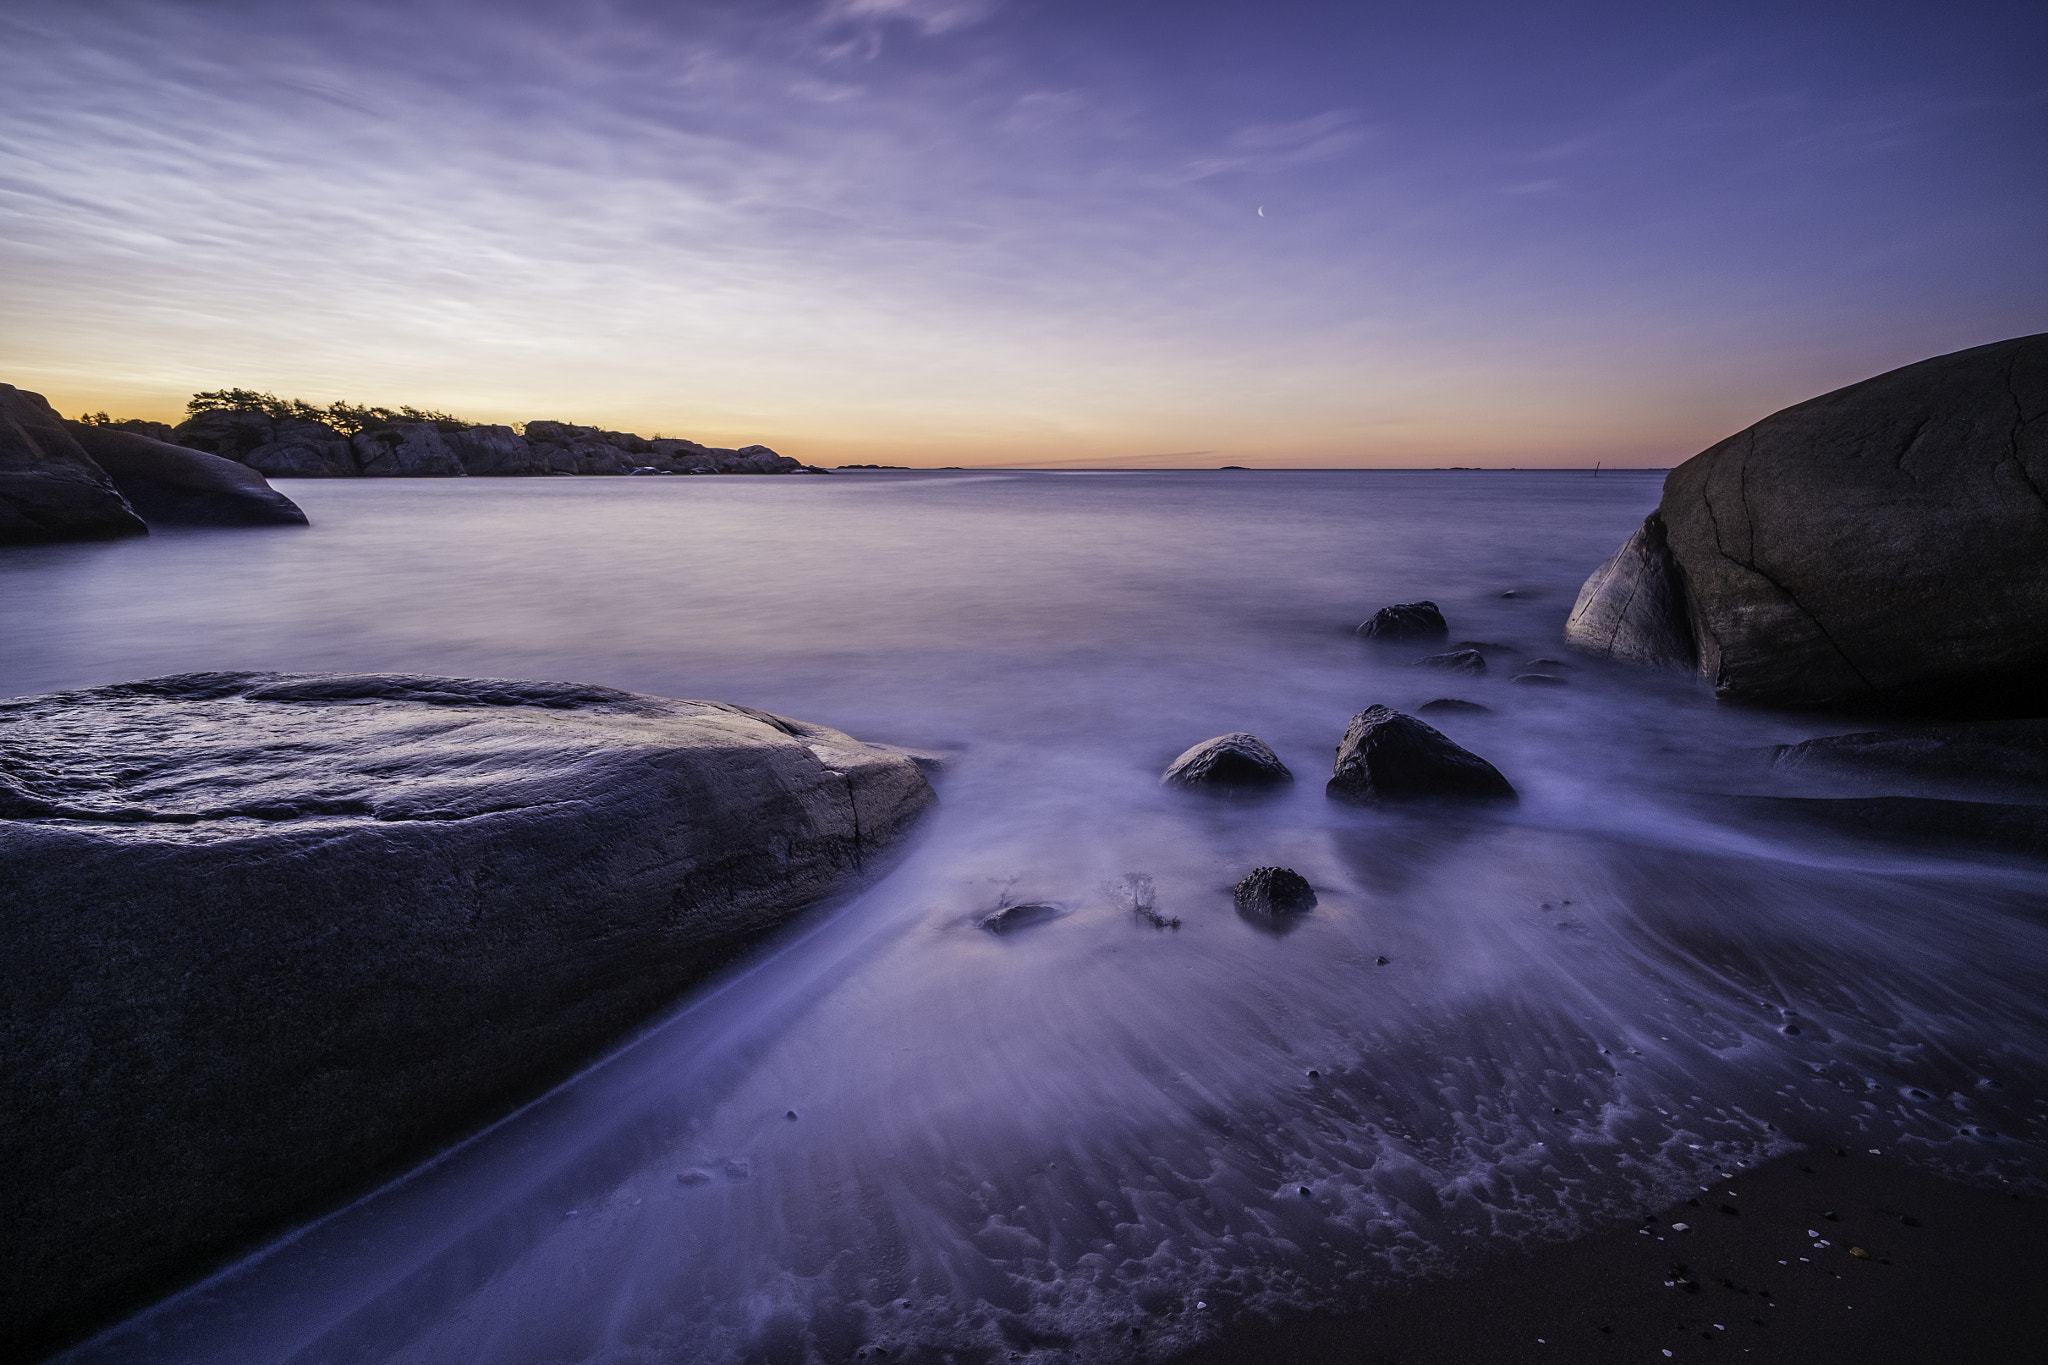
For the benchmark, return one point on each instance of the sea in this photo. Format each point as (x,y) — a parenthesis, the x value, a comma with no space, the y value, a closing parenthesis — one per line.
(892,1134)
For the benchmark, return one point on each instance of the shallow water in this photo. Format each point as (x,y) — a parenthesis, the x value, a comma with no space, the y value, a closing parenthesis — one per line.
(1094,1138)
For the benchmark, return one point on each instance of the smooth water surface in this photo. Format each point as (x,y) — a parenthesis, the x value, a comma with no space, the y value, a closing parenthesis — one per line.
(1097,1138)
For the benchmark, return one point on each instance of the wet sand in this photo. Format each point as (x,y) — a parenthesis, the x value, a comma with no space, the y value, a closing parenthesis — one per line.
(1952,1273)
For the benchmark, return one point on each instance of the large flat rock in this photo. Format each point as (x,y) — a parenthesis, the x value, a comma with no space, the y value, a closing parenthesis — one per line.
(269,935)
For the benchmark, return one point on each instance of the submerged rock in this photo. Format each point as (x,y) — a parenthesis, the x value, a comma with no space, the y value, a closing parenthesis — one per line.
(1540,680)
(1992,825)
(50,489)
(1405,621)
(1228,762)
(1992,753)
(1388,756)
(270,934)
(1275,891)
(1457,661)
(1883,547)
(1449,705)
(176,485)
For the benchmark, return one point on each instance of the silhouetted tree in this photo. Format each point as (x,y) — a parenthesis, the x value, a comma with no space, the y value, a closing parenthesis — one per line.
(345,417)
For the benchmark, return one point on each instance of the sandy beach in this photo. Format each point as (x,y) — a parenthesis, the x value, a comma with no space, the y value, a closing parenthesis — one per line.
(1812,1259)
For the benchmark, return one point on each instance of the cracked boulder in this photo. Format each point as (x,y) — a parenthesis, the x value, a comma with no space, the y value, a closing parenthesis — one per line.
(1880,548)
(272,935)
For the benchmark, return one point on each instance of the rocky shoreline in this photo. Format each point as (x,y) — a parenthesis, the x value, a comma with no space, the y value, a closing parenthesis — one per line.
(301,448)
(101,479)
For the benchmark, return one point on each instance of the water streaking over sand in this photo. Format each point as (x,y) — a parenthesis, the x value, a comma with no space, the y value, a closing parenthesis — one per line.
(1095,1138)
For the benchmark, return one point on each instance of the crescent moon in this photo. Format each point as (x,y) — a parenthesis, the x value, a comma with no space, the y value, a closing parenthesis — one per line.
(1262,210)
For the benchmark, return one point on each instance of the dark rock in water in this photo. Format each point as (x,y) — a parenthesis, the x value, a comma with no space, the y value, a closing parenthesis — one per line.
(279,447)
(1486,647)
(1535,664)
(175,485)
(1011,918)
(1275,891)
(1988,753)
(269,935)
(1233,761)
(1540,680)
(1633,607)
(1880,548)
(50,489)
(1457,661)
(410,450)
(1387,756)
(1989,825)
(1454,704)
(1405,621)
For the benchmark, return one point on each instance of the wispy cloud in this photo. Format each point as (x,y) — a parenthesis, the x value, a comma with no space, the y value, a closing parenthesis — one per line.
(875,227)
(1264,148)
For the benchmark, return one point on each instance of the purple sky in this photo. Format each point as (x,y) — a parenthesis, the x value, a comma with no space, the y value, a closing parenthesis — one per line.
(1024,231)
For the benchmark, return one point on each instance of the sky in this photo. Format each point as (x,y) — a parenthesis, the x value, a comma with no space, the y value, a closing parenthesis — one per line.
(1064,233)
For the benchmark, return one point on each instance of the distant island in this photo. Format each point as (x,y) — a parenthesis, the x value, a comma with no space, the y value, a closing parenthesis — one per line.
(290,438)
(872,466)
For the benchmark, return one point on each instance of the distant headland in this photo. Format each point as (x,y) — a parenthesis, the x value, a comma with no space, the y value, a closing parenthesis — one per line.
(290,438)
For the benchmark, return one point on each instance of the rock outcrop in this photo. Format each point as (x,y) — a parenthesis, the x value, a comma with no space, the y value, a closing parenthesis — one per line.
(568,449)
(297,447)
(156,431)
(1405,621)
(1388,757)
(1880,548)
(1233,762)
(269,934)
(280,447)
(497,452)
(409,450)
(174,485)
(50,489)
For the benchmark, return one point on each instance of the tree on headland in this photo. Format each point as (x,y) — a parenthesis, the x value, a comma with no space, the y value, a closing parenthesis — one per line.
(345,417)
